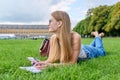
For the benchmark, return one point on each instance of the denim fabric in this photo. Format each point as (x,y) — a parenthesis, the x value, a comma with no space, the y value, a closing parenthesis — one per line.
(95,49)
(82,53)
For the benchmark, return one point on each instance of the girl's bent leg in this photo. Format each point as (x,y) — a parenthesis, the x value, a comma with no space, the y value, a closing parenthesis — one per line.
(98,42)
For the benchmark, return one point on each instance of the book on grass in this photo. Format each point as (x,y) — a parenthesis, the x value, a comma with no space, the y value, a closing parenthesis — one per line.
(32,59)
(31,68)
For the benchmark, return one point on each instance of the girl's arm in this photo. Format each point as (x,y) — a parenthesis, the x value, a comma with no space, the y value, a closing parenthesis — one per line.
(76,46)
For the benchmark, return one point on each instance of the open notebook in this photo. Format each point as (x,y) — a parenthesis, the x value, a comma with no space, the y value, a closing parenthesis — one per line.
(31,68)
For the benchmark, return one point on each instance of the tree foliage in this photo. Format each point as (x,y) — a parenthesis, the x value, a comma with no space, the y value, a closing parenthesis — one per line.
(103,19)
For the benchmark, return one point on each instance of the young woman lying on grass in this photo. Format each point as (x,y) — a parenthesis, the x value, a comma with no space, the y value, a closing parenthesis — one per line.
(65,45)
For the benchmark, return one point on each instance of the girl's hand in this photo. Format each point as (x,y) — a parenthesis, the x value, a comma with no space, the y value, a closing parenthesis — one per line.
(34,62)
(41,65)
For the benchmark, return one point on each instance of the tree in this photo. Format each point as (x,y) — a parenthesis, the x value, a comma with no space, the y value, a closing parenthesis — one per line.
(103,19)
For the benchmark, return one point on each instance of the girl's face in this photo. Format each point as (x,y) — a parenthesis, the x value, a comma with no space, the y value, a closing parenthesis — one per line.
(53,25)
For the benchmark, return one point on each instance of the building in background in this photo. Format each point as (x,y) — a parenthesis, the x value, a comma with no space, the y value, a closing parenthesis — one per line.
(24,30)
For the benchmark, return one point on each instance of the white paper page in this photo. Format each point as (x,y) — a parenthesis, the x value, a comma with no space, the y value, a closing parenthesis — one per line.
(31,69)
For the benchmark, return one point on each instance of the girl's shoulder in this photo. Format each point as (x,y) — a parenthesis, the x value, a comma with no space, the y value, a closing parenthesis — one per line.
(75,35)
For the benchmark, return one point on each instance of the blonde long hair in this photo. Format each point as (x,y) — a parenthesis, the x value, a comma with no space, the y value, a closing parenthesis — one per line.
(60,49)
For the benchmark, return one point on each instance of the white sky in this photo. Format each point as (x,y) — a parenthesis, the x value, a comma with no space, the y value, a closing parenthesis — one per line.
(38,11)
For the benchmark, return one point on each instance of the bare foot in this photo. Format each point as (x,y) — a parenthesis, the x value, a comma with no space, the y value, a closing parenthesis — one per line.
(101,34)
(95,34)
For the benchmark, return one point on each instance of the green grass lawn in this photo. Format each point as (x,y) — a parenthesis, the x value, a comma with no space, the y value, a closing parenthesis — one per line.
(14,53)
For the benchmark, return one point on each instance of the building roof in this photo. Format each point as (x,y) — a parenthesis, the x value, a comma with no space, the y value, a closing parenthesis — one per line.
(23,26)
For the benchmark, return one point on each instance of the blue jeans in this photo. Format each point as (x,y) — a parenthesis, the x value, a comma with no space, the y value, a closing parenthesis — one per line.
(95,49)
